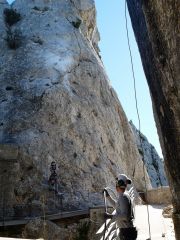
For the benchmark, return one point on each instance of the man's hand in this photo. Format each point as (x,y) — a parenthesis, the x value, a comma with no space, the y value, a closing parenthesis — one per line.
(108,215)
(106,192)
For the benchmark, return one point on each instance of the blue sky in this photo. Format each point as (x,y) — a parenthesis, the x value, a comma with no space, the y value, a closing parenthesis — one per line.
(115,56)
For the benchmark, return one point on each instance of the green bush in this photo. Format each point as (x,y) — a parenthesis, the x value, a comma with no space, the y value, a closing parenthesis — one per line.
(83,231)
(77,23)
(13,38)
(11,16)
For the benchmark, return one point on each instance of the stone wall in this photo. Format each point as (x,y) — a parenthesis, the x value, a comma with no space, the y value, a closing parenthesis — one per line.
(97,221)
(161,195)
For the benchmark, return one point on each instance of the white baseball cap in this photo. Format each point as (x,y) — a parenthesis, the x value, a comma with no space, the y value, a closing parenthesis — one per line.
(124,178)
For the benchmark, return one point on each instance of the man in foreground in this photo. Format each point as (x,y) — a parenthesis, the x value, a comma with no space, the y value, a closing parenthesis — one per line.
(124,211)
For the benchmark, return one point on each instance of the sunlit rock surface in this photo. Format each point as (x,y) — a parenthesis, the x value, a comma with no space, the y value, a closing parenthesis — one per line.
(57,105)
(153,163)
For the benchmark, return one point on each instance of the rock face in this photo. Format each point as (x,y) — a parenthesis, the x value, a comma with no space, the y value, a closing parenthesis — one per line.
(154,164)
(38,228)
(48,230)
(57,106)
(156,27)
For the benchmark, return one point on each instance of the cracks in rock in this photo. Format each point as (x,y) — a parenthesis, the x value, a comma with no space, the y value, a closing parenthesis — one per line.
(71,71)
(56,70)
(71,1)
(79,45)
(80,52)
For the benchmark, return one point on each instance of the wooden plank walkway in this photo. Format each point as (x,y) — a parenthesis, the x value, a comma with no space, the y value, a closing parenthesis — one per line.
(5,238)
(53,217)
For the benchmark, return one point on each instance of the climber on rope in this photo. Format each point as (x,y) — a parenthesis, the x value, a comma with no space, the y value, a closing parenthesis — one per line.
(124,210)
(53,179)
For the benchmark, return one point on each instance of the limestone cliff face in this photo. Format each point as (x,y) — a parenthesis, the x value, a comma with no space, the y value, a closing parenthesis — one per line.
(154,164)
(57,105)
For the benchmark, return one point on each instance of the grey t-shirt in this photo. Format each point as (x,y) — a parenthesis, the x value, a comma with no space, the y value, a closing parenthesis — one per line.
(124,212)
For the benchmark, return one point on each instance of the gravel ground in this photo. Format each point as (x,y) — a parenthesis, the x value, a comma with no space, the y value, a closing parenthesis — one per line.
(160,227)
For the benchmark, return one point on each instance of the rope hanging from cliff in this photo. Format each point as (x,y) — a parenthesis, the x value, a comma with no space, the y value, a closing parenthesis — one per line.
(3,202)
(105,225)
(137,110)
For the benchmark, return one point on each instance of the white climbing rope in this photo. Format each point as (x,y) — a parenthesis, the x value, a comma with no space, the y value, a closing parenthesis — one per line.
(137,110)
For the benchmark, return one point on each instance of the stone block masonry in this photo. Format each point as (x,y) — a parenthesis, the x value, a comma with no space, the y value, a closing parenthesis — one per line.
(161,195)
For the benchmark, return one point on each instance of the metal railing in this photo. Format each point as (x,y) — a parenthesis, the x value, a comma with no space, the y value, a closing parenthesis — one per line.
(108,231)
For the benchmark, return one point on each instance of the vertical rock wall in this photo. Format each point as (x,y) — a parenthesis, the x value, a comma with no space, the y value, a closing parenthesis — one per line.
(57,105)
(156,26)
(154,164)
